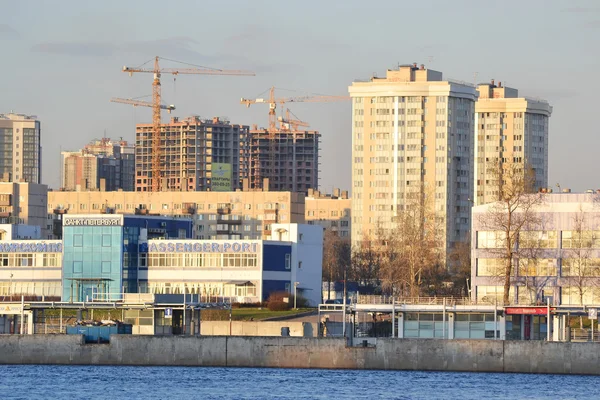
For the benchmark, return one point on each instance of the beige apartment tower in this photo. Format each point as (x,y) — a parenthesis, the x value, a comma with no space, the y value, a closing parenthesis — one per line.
(190,149)
(412,135)
(21,149)
(509,129)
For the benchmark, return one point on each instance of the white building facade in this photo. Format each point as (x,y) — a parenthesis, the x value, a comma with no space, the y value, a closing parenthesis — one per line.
(557,261)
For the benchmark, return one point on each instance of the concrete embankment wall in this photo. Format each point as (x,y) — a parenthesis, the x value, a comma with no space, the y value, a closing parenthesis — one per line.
(290,352)
(257,328)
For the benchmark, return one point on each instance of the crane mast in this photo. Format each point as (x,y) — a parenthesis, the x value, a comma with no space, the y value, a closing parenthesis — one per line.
(156,153)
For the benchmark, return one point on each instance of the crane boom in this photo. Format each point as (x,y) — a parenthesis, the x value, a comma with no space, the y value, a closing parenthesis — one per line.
(272,101)
(140,103)
(156,106)
(191,71)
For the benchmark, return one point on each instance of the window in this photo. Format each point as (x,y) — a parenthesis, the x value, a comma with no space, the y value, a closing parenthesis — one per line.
(580,239)
(491,267)
(538,239)
(106,240)
(105,267)
(490,239)
(582,268)
(77,240)
(77,266)
(299,264)
(288,261)
(537,267)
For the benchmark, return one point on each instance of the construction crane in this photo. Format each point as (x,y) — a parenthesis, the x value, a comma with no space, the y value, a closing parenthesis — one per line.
(273,130)
(272,102)
(156,106)
(289,124)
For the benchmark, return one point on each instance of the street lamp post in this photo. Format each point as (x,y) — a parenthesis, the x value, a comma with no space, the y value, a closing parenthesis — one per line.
(295,293)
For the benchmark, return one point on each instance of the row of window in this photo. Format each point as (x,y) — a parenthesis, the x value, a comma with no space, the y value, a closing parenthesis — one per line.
(30,260)
(569,295)
(197,260)
(570,267)
(541,239)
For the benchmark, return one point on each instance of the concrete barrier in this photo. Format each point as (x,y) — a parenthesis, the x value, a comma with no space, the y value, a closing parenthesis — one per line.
(257,328)
(299,352)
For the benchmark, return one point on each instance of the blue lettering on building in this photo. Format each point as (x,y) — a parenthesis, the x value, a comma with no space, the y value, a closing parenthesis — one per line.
(212,247)
(31,247)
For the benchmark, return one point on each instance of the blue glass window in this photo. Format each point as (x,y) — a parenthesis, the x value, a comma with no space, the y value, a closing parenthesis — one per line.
(77,240)
(105,266)
(106,240)
(77,267)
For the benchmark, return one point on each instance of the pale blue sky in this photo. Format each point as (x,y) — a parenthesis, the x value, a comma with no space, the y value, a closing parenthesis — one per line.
(61,60)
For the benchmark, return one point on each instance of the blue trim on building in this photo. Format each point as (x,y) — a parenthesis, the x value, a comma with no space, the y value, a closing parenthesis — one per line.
(270,286)
(274,257)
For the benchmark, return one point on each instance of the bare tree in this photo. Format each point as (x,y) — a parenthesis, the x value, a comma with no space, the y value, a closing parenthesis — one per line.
(413,249)
(578,264)
(460,266)
(365,264)
(513,212)
(336,258)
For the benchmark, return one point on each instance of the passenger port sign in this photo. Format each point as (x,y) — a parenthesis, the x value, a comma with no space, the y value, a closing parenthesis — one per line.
(593,313)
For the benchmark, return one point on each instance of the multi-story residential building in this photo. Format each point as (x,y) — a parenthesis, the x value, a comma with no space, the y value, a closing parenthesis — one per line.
(288,158)
(20,148)
(216,215)
(192,149)
(23,203)
(511,129)
(412,138)
(101,165)
(331,211)
(557,259)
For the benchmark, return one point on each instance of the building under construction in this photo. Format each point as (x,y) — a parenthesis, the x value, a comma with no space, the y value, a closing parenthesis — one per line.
(192,150)
(287,159)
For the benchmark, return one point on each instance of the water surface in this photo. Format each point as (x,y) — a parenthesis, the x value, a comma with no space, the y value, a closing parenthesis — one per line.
(132,383)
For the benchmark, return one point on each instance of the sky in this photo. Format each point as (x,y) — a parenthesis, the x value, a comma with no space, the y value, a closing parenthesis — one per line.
(62,61)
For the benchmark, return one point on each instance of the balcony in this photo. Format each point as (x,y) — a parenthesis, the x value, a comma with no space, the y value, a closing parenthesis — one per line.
(224,211)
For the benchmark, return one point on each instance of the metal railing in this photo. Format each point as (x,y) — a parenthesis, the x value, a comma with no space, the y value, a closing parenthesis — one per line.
(584,335)
(449,301)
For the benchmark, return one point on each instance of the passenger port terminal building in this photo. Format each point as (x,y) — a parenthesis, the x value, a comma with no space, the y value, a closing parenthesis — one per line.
(103,257)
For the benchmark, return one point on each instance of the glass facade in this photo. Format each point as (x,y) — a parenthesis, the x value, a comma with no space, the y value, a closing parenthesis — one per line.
(92,261)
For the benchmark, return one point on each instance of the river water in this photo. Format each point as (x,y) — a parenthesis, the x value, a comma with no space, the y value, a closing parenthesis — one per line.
(131,383)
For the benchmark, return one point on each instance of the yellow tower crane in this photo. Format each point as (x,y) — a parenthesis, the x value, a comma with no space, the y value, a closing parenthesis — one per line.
(156,106)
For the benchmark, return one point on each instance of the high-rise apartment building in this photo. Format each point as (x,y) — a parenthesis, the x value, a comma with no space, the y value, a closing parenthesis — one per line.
(192,151)
(289,159)
(101,165)
(412,138)
(20,148)
(510,129)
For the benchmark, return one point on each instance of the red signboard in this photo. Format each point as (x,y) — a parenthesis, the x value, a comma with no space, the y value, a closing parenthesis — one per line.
(526,310)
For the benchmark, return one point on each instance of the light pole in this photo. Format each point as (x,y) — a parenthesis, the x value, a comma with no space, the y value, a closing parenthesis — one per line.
(295,293)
